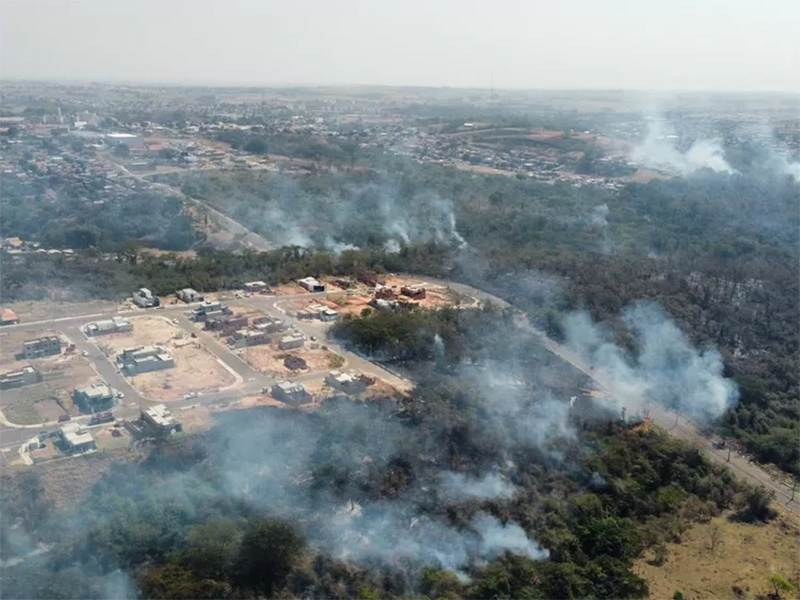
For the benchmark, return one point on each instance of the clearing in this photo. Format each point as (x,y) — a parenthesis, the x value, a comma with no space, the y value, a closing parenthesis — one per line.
(196,370)
(268,358)
(743,556)
(43,310)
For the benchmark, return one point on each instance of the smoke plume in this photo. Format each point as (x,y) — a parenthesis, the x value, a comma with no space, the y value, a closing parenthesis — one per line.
(666,369)
(659,151)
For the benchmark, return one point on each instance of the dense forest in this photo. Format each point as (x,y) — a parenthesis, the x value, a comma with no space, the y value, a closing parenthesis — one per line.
(471,487)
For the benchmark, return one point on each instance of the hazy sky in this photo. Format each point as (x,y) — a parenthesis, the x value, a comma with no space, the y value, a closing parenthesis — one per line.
(636,44)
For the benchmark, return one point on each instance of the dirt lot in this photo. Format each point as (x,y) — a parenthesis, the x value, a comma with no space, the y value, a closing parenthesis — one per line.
(52,397)
(11,344)
(196,369)
(45,309)
(269,358)
(744,555)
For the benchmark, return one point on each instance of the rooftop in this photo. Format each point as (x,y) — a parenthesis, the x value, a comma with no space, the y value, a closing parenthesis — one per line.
(96,390)
(160,415)
(75,435)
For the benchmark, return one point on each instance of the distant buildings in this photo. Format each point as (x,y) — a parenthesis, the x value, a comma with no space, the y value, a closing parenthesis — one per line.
(128,139)
(43,346)
(107,326)
(97,397)
(291,341)
(160,420)
(77,440)
(287,391)
(145,359)
(311,284)
(144,298)
(8,317)
(26,376)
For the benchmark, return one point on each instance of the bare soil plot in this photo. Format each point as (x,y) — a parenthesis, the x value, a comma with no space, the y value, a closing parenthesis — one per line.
(196,369)
(42,310)
(743,555)
(289,289)
(269,358)
(52,397)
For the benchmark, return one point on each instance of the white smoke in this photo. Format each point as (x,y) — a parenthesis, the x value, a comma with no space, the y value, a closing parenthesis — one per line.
(461,487)
(392,536)
(599,214)
(496,538)
(667,369)
(659,151)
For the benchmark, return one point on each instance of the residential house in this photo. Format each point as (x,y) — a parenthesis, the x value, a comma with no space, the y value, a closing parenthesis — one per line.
(76,439)
(291,341)
(345,382)
(311,284)
(144,298)
(256,287)
(288,391)
(145,359)
(97,397)
(8,317)
(108,326)
(160,420)
(225,324)
(189,295)
(43,346)
(26,376)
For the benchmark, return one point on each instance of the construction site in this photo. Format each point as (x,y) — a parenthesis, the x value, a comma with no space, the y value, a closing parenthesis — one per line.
(195,369)
(39,389)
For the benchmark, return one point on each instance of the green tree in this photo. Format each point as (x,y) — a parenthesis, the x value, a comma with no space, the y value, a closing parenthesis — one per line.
(780,585)
(268,551)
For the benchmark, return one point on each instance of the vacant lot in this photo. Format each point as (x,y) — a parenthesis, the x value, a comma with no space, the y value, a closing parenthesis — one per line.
(196,369)
(42,310)
(269,358)
(717,556)
(48,400)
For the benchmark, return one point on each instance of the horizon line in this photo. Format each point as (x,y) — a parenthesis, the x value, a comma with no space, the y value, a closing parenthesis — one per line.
(312,85)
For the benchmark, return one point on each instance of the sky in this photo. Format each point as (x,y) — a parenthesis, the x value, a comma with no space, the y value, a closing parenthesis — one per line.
(711,45)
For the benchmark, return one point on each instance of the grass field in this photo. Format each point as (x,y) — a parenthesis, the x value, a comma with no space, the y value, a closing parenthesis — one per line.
(719,558)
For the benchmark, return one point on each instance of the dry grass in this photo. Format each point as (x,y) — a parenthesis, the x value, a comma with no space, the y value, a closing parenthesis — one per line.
(743,555)
(43,310)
